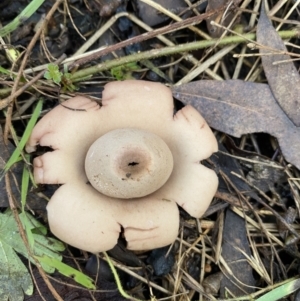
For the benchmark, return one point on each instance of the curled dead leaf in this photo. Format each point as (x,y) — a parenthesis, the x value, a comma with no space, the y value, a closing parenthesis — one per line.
(236,107)
(282,75)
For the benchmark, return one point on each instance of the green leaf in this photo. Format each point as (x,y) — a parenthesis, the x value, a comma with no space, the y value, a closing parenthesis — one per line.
(42,244)
(67,83)
(125,71)
(53,73)
(45,249)
(26,226)
(281,291)
(26,13)
(14,277)
(4,71)
(24,191)
(25,184)
(15,157)
(67,271)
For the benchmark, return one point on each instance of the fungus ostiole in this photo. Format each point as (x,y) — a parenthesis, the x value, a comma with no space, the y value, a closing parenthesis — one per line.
(128,163)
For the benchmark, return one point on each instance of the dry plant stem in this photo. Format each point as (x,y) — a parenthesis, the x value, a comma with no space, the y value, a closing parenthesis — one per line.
(270,227)
(35,281)
(289,13)
(168,13)
(77,76)
(253,17)
(6,101)
(268,164)
(80,53)
(218,247)
(276,214)
(80,269)
(14,210)
(213,59)
(93,39)
(22,66)
(180,260)
(135,275)
(239,64)
(191,282)
(138,22)
(256,257)
(261,227)
(72,21)
(146,36)
(250,207)
(277,7)
(117,279)
(252,296)
(6,130)
(192,6)
(255,45)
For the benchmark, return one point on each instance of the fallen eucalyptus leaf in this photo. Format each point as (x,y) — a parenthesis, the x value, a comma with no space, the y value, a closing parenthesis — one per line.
(236,108)
(235,249)
(283,78)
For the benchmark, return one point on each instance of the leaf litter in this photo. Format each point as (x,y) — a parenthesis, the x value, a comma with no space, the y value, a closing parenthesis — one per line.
(281,73)
(213,253)
(14,277)
(236,107)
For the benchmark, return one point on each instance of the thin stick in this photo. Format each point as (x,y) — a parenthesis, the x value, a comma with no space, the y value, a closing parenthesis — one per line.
(23,64)
(146,36)
(77,76)
(117,279)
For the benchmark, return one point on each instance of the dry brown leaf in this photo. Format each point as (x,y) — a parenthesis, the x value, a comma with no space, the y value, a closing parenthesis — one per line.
(234,247)
(283,78)
(236,108)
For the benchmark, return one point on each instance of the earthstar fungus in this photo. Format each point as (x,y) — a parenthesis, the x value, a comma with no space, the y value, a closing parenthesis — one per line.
(125,165)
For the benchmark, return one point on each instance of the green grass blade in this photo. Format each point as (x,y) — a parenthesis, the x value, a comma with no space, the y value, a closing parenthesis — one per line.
(117,279)
(26,225)
(26,13)
(4,71)
(24,191)
(25,184)
(67,271)
(281,291)
(15,157)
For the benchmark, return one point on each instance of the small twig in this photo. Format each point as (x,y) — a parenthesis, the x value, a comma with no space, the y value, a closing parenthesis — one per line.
(6,101)
(77,76)
(253,44)
(23,64)
(275,213)
(14,210)
(137,276)
(72,109)
(117,279)
(146,36)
